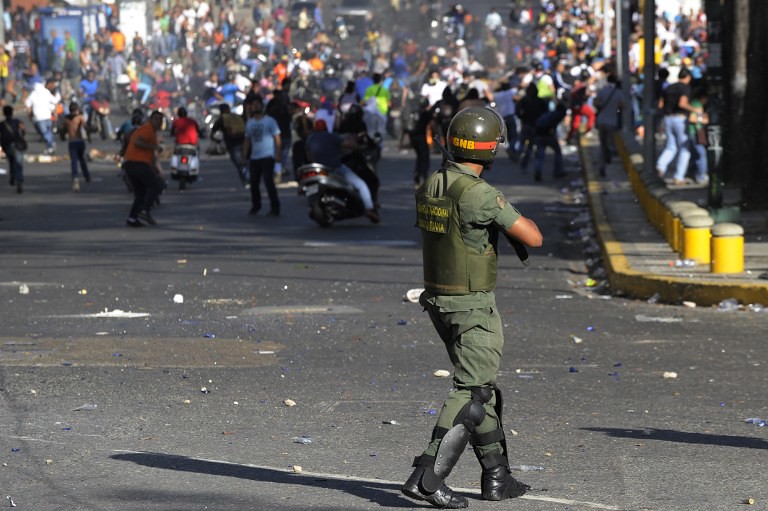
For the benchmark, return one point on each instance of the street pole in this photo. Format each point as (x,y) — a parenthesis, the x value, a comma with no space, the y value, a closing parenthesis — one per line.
(649,96)
(714,106)
(606,29)
(2,21)
(622,55)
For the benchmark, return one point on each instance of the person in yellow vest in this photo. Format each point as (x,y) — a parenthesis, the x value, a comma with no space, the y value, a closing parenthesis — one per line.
(5,62)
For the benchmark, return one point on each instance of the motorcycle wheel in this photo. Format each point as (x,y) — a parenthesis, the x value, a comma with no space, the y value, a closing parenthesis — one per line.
(317,213)
(103,128)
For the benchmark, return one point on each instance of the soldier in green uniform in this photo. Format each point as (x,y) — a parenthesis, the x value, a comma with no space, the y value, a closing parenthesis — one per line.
(460,217)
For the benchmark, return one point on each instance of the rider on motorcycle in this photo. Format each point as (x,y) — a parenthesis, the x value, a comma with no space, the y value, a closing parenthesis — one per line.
(185,129)
(88,87)
(325,148)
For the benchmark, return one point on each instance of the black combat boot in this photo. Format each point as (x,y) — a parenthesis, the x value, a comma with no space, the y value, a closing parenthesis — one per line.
(498,484)
(443,498)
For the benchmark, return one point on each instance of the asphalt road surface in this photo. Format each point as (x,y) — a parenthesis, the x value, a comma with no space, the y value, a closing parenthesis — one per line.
(113,396)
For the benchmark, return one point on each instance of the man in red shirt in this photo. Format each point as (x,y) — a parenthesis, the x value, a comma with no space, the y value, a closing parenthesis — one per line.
(185,129)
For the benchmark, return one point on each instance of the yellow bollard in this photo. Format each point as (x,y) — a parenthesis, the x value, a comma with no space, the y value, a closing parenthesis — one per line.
(656,209)
(727,248)
(695,211)
(696,235)
(678,209)
(666,215)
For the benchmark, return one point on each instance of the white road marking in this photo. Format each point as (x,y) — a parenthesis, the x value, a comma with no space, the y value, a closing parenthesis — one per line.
(342,477)
(383,243)
(117,313)
(303,309)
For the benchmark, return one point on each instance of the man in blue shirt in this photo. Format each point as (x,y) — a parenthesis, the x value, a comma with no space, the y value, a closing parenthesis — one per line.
(57,51)
(228,92)
(262,145)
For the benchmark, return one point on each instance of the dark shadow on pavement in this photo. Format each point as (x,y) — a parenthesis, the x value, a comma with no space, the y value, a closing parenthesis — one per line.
(684,437)
(383,494)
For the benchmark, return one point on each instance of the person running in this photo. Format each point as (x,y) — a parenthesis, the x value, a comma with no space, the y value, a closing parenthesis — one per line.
(12,130)
(143,170)
(75,127)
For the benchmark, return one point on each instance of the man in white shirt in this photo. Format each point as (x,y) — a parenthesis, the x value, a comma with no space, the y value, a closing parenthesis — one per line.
(41,104)
(433,89)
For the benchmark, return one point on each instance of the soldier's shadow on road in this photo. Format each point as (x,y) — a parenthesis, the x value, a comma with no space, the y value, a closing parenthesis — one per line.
(684,437)
(383,494)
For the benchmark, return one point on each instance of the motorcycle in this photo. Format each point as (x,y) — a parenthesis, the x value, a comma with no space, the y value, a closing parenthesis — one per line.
(98,118)
(330,197)
(125,94)
(185,165)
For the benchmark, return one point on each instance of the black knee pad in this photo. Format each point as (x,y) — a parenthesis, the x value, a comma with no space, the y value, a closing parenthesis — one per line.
(473,413)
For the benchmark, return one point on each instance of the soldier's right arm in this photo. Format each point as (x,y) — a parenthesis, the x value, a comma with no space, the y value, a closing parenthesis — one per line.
(526,231)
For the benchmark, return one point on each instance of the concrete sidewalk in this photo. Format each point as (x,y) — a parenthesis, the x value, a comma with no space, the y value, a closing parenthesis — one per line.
(638,259)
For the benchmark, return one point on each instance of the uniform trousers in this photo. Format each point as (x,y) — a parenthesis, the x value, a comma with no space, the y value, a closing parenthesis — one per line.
(474,341)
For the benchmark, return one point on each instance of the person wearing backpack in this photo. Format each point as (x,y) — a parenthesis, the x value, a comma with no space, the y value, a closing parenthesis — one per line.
(13,144)
(232,127)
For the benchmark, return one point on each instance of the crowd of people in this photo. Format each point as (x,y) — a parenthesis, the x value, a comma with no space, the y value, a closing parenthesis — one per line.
(309,91)
(542,65)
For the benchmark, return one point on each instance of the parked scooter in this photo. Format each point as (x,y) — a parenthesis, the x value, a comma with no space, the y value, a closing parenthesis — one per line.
(185,165)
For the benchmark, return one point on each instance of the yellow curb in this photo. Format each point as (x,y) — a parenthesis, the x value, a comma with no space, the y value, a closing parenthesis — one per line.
(624,280)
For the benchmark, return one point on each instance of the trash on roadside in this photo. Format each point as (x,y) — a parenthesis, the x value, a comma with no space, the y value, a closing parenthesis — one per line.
(205,390)
(729,304)
(402,322)
(572,370)
(756,421)
(177,298)
(49,462)
(576,340)
(563,297)
(749,502)
(690,305)
(654,298)
(669,375)
(442,373)
(10,501)
(289,402)
(756,307)
(526,468)
(83,292)
(187,402)
(209,335)
(392,422)
(412,295)
(23,289)
(86,407)
(297,469)
(642,318)
(304,440)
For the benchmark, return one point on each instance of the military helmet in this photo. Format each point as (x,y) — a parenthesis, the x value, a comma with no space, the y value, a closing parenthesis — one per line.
(475,134)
